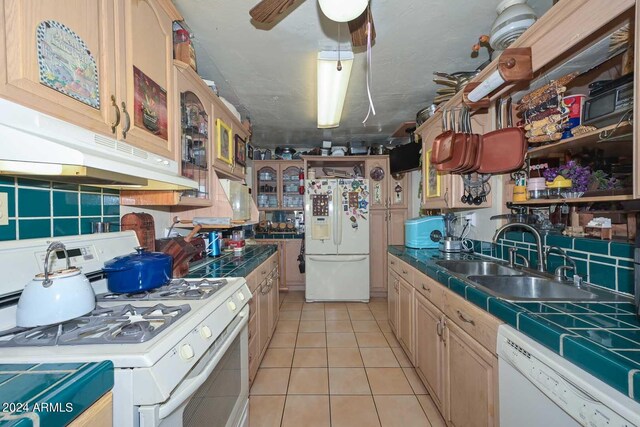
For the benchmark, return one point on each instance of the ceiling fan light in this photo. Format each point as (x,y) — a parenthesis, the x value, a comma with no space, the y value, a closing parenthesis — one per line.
(332,86)
(343,10)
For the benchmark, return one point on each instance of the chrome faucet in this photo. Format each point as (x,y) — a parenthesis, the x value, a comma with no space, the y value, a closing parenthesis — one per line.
(560,271)
(541,258)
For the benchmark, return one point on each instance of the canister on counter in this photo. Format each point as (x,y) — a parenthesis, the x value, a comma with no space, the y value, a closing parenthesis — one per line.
(214,246)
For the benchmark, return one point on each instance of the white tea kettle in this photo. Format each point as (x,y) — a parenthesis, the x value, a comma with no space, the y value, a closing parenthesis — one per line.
(54,297)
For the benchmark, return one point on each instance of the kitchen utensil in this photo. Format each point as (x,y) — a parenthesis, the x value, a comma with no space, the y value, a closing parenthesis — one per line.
(100,227)
(54,297)
(459,149)
(442,149)
(181,250)
(138,271)
(503,150)
(143,225)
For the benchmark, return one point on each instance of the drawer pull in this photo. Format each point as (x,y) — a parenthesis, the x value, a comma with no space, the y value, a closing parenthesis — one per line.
(425,288)
(405,272)
(263,272)
(465,318)
(393,262)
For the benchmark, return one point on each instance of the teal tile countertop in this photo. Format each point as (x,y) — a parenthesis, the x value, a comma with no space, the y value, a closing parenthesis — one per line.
(232,265)
(50,394)
(279,236)
(601,338)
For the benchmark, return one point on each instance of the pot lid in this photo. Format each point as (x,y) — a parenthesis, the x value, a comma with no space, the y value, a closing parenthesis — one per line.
(136,259)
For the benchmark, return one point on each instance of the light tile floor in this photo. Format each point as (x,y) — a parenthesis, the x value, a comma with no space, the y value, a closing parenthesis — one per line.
(338,365)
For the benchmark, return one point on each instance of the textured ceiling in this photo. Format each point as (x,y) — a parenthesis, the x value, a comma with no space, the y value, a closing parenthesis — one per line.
(269,74)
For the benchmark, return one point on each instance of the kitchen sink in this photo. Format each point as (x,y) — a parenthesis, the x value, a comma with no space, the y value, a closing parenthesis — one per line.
(478,268)
(523,288)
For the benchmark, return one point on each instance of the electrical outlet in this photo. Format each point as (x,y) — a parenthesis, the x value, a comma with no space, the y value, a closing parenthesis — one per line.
(4,209)
(472,218)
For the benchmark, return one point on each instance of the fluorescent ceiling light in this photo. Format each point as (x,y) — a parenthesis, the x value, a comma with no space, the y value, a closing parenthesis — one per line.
(332,86)
(343,10)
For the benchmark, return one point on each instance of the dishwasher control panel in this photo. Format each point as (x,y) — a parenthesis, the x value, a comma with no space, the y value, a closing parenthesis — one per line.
(573,400)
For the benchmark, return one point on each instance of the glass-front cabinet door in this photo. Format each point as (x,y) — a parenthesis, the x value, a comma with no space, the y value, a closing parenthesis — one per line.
(267,188)
(291,197)
(195,144)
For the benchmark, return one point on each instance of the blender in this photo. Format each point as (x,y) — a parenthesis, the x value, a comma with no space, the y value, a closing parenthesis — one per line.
(450,243)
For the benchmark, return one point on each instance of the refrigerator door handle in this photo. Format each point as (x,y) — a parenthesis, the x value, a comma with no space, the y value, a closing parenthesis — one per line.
(334,216)
(338,217)
(334,259)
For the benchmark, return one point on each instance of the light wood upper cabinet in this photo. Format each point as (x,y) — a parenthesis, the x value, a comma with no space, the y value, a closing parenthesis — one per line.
(472,381)
(276,185)
(73,76)
(399,191)
(144,42)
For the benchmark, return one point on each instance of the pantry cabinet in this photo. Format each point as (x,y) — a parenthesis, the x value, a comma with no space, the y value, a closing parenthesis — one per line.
(103,65)
(395,226)
(377,172)
(451,343)
(277,185)
(378,251)
(58,57)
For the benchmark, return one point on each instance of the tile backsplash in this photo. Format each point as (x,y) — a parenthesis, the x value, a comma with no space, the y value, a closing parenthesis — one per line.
(47,209)
(599,262)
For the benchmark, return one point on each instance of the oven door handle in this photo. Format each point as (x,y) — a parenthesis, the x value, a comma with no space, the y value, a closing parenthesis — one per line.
(190,386)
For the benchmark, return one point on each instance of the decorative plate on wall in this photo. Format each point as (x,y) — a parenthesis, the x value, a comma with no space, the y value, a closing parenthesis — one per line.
(377,173)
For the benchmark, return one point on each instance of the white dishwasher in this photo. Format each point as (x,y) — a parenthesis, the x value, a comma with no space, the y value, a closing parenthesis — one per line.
(539,388)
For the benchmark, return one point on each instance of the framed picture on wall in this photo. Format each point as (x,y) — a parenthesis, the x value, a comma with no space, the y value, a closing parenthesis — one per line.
(433,178)
(250,151)
(241,151)
(225,149)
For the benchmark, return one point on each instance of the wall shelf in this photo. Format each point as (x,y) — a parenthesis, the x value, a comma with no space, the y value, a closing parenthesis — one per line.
(608,135)
(621,197)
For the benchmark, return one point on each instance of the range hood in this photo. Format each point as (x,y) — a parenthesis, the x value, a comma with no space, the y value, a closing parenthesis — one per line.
(38,146)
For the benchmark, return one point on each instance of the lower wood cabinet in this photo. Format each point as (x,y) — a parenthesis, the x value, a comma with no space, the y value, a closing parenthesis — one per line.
(472,383)
(451,343)
(100,414)
(405,317)
(429,351)
(263,310)
(393,284)
(288,251)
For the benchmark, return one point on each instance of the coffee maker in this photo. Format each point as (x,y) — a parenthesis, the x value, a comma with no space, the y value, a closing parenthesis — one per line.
(450,243)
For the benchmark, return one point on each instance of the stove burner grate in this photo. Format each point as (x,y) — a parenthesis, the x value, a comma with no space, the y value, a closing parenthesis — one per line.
(176,289)
(105,325)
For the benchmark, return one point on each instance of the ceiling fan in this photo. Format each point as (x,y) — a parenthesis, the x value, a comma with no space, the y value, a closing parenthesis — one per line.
(267,11)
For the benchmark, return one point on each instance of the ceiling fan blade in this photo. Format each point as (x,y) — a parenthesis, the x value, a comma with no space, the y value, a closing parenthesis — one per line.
(358,29)
(269,10)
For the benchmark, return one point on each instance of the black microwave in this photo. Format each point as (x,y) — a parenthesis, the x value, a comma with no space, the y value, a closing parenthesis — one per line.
(607,107)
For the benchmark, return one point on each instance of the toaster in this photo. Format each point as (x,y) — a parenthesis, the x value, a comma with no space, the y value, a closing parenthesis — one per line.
(423,232)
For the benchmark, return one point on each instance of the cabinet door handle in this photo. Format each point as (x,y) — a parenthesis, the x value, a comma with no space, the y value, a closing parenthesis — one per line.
(439,328)
(465,318)
(444,325)
(127,121)
(425,288)
(405,272)
(393,263)
(115,124)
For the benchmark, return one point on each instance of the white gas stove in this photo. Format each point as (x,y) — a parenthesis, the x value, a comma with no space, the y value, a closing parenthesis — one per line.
(170,347)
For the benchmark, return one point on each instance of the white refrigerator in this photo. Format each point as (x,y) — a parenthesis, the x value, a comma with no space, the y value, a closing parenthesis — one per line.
(337,239)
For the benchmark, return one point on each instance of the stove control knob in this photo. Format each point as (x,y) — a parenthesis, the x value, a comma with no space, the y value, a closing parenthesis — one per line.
(205,332)
(240,296)
(186,352)
(232,306)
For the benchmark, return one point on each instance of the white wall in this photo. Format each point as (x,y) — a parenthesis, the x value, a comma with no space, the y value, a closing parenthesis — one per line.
(485,227)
